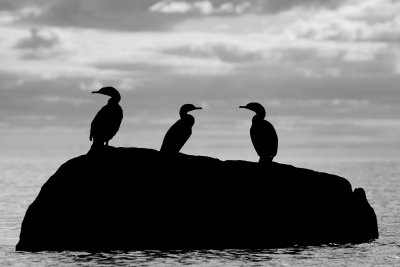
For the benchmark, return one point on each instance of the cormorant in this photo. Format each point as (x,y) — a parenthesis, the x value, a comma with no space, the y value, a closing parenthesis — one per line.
(263,134)
(180,132)
(107,121)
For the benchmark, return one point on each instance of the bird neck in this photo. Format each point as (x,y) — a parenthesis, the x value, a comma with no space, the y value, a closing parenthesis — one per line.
(259,116)
(114,100)
(183,114)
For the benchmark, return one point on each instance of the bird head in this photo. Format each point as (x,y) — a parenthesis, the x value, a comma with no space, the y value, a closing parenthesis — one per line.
(256,107)
(359,194)
(109,91)
(187,108)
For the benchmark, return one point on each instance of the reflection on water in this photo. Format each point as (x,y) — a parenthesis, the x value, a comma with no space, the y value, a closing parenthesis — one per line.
(353,255)
(154,258)
(21,182)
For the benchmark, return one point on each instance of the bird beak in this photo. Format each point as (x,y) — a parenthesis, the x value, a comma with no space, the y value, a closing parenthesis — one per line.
(95,92)
(242,107)
(198,108)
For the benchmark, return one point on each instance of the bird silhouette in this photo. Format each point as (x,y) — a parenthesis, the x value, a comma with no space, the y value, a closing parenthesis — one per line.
(108,120)
(180,131)
(262,133)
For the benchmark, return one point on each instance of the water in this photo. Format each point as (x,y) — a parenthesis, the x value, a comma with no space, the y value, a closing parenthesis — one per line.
(20,182)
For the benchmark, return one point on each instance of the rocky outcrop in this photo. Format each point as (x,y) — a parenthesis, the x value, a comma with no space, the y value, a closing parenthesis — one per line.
(132,198)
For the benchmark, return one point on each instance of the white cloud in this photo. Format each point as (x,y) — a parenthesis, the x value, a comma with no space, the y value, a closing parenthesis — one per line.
(91,86)
(202,7)
(7,17)
(69,100)
(29,11)
(352,39)
(79,53)
(38,39)
(358,20)
(173,7)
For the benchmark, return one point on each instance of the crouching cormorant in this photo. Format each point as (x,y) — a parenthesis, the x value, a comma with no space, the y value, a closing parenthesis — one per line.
(180,132)
(263,134)
(107,121)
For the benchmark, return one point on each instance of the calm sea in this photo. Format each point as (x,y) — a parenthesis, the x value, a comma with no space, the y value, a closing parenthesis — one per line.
(20,182)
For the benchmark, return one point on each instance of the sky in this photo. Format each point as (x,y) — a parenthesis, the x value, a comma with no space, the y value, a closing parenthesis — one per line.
(327,72)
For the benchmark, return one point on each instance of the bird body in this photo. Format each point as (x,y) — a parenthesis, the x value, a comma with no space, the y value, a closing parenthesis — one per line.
(180,131)
(264,138)
(107,121)
(262,133)
(178,134)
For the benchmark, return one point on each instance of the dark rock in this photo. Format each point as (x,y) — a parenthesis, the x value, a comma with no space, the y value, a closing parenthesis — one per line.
(132,198)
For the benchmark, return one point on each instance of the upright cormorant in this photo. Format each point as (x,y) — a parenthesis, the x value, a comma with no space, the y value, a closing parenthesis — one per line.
(107,121)
(263,134)
(180,132)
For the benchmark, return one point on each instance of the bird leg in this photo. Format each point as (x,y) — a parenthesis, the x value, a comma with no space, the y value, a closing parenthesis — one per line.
(265,160)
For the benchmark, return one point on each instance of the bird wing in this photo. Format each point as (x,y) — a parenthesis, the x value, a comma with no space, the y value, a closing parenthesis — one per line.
(99,122)
(177,136)
(106,123)
(264,138)
(116,120)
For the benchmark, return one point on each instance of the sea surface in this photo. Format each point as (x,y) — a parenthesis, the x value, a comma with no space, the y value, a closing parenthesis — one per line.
(21,180)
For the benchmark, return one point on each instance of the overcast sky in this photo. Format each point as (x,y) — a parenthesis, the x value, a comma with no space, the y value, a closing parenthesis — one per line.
(326,71)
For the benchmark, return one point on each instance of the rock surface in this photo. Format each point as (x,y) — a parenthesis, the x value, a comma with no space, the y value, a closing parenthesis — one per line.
(133,198)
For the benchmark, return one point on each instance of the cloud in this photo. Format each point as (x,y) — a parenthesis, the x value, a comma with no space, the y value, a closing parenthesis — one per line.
(305,37)
(223,52)
(124,15)
(142,15)
(50,53)
(200,7)
(15,11)
(38,40)
(204,7)
(235,7)
(316,43)
(356,21)
(277,6)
